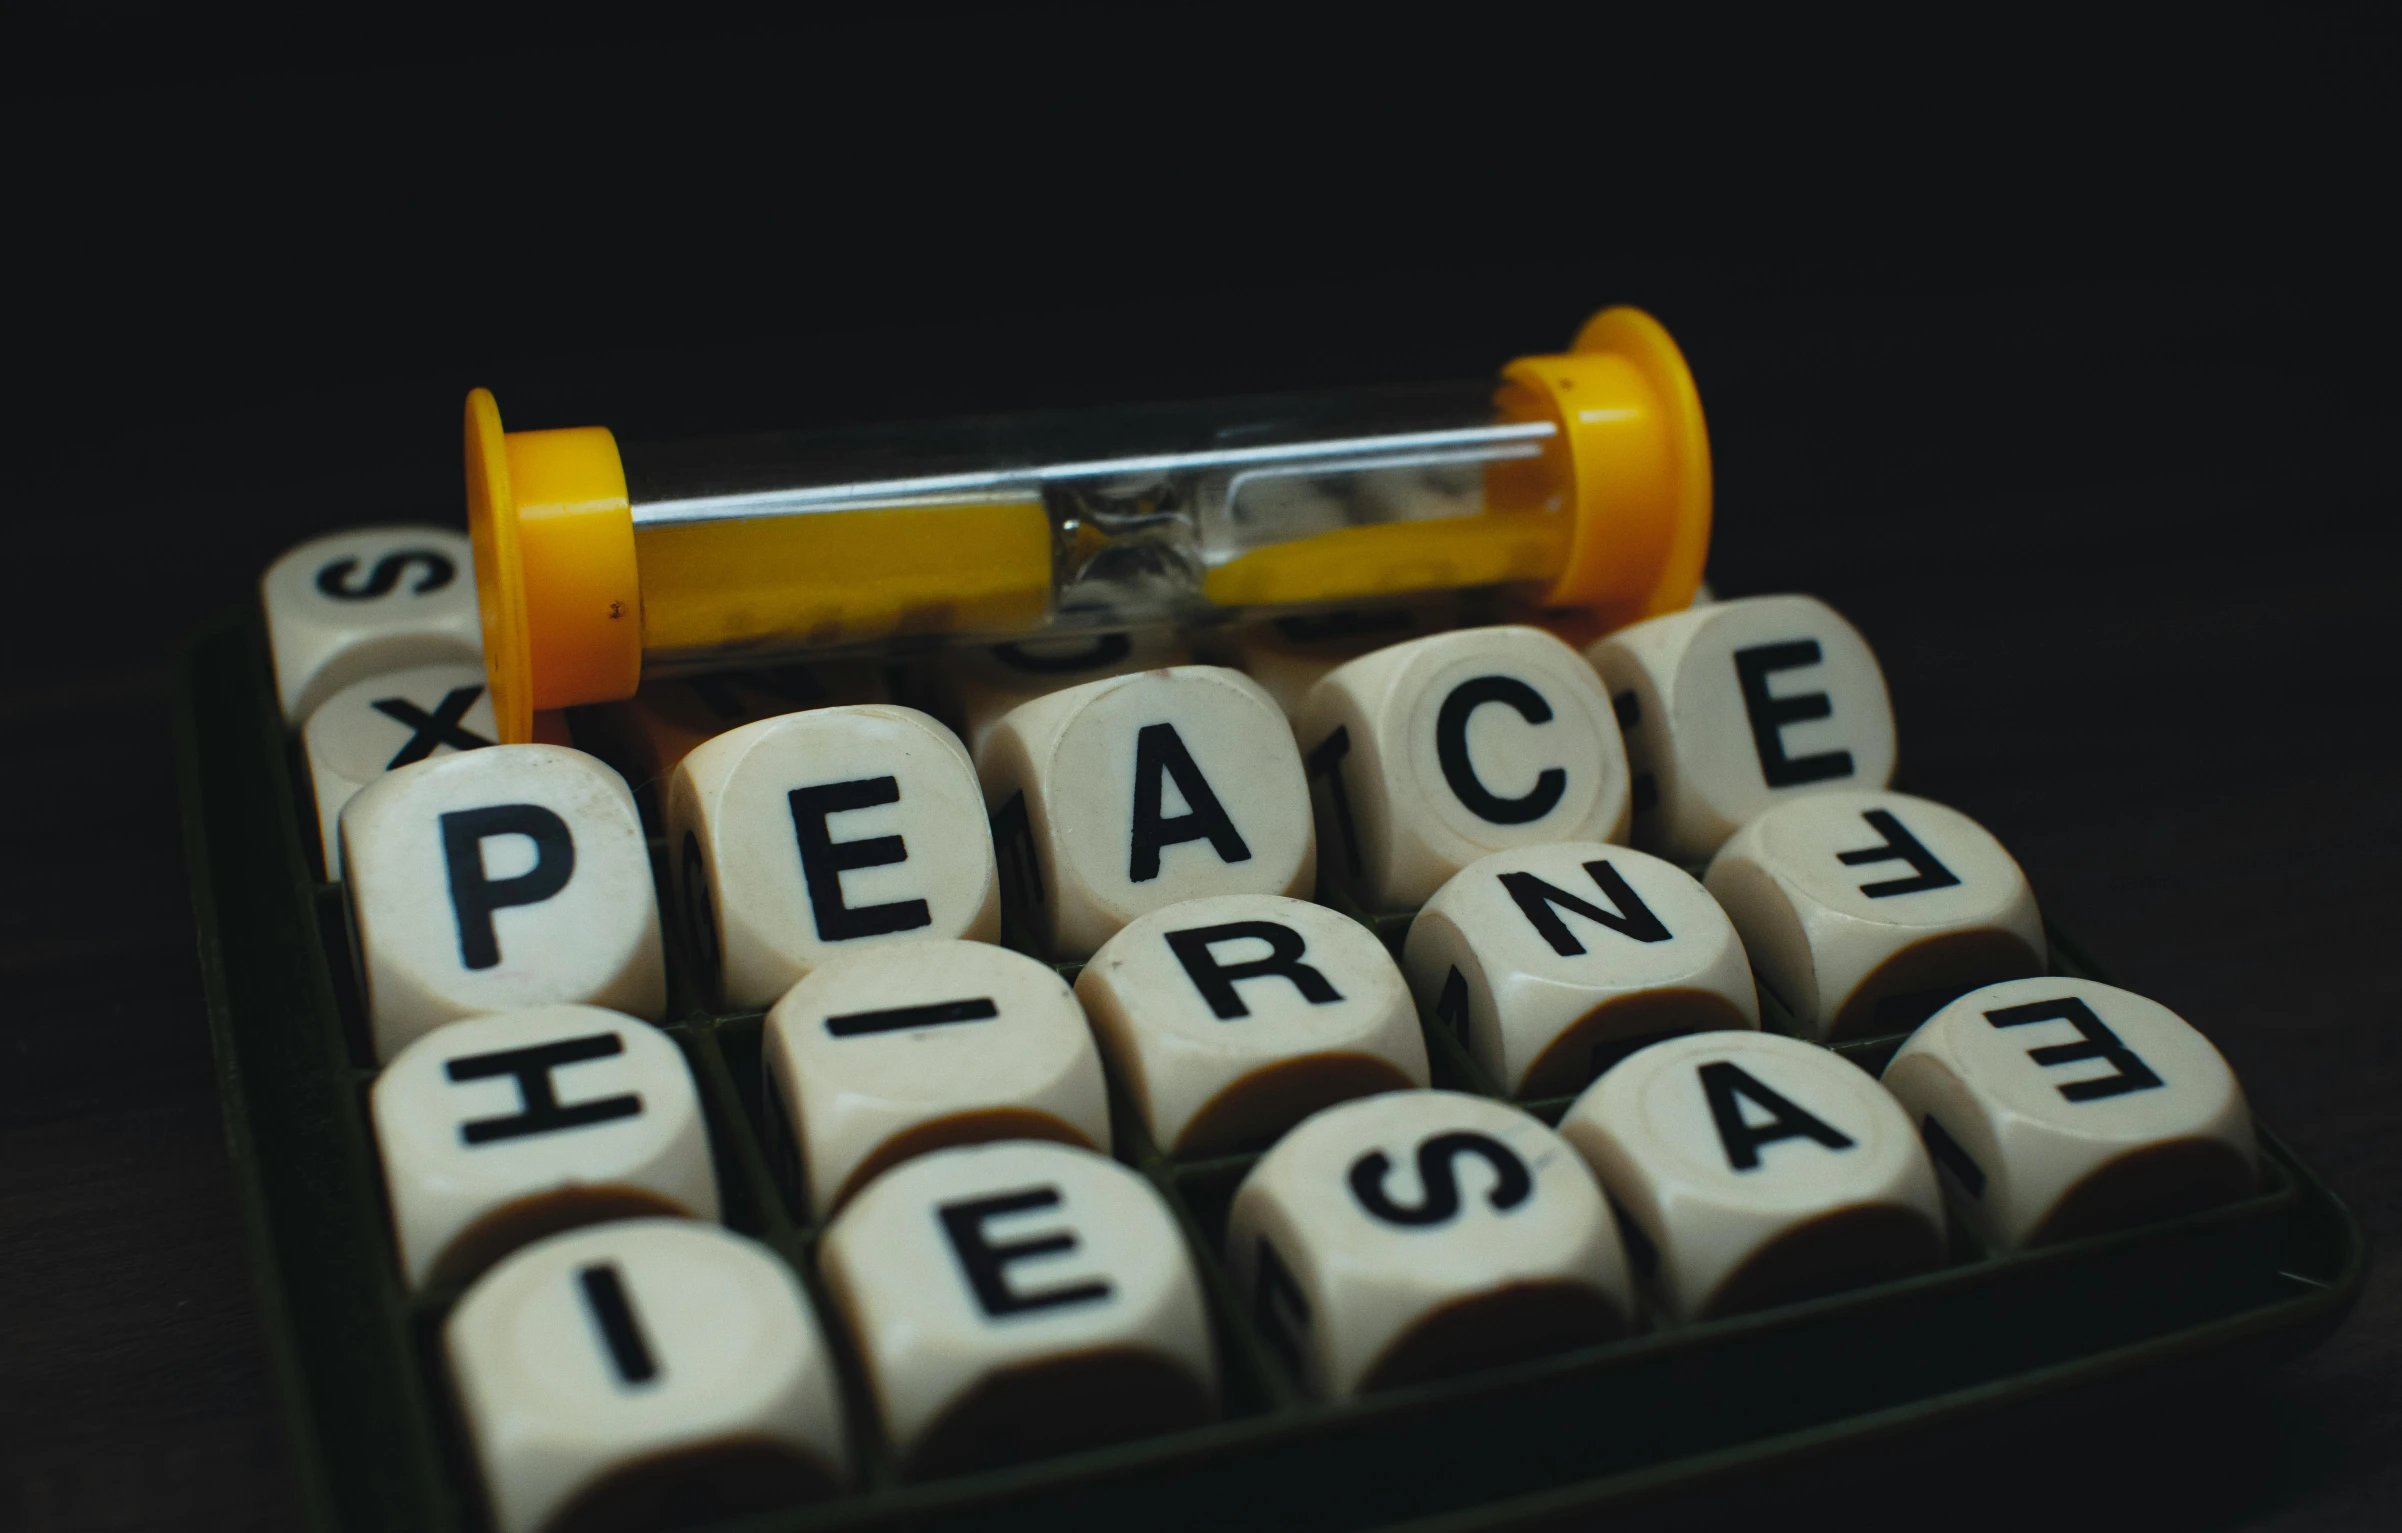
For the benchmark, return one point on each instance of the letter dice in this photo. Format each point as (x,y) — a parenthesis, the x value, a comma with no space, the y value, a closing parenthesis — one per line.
(1119,797)
(495,879)
(1549,962)
(1015,1300)
(2064,1107)
(881,1056)
(499,1130)
(373,726)
(1427,755)
(644,1373)
(365,602)
(836,830)
(1231,1019)
(1752,1169)
(1738,705)
(1290,655)
(980,684)
(1863,912)
(1423,1234)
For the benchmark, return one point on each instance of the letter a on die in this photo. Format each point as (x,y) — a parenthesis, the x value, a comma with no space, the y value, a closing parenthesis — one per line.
(1427,755)
(812,835)
(1732,707)
(1119,797)
(495,879)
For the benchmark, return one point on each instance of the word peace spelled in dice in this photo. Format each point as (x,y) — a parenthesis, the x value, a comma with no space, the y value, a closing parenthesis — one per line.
(1120,797)
(644,1374)
(495,1131)
(2058,1107)
(1426,755)
(1013,1300)
(876,1060)
(1732,707)
(1422,1234)
(1863,912)
(384,723)
(499,878)
(1232,1018)
(825,832)
(366,603)
(1753,1169)
(1550,962)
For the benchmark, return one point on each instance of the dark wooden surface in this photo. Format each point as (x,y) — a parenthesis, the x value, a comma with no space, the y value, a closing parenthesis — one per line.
(2087,419)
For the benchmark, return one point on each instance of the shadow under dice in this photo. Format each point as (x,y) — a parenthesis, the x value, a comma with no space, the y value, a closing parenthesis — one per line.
(1015,1300)
(386,722)
(367,602)
(499,878)
(1430,754)
(815,834)
(1423,1234)
(1550,962)
(1231,1019)
(1864,912)
(496,1131)
(1753,1170)
(648,1373)
(2057,1108)
(883,1056)
(1115,798)
(1735,706)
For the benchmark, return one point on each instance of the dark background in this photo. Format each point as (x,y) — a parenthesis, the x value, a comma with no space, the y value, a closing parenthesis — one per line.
(2062,361)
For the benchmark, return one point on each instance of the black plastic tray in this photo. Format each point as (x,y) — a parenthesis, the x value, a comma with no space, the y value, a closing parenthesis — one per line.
(1662,1414)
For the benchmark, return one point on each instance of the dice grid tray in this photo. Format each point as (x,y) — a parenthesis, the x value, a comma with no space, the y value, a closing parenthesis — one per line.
(1668,1411)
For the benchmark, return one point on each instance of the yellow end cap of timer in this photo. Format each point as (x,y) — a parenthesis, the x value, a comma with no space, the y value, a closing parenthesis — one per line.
(554,566)
(1639,465)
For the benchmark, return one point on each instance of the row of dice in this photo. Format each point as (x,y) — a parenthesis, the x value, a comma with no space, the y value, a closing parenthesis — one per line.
(1013,1299)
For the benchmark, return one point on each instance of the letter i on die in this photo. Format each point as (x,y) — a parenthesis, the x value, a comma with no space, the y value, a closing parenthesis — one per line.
(1751,1170)
(1119,797)
(1730,708)
(496,879)
(812,835)
(641,1374)
(1863,912)
(2060,1107)
(1549,962)
(1429,754)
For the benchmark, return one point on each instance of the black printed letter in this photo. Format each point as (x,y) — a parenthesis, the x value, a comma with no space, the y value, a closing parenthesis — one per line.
(1900,846)
(542,1111)
(1724,1083)
(824,860)
(1159,749)
(1216,981)
(473,897)
(1451,749)
(2100,1043)
(987,1264)
(1512,1185)
(1632,918)
(1769,715)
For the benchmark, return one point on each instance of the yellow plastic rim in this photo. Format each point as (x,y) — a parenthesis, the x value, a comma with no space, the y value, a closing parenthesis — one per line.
(1637,460)
(499,570)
